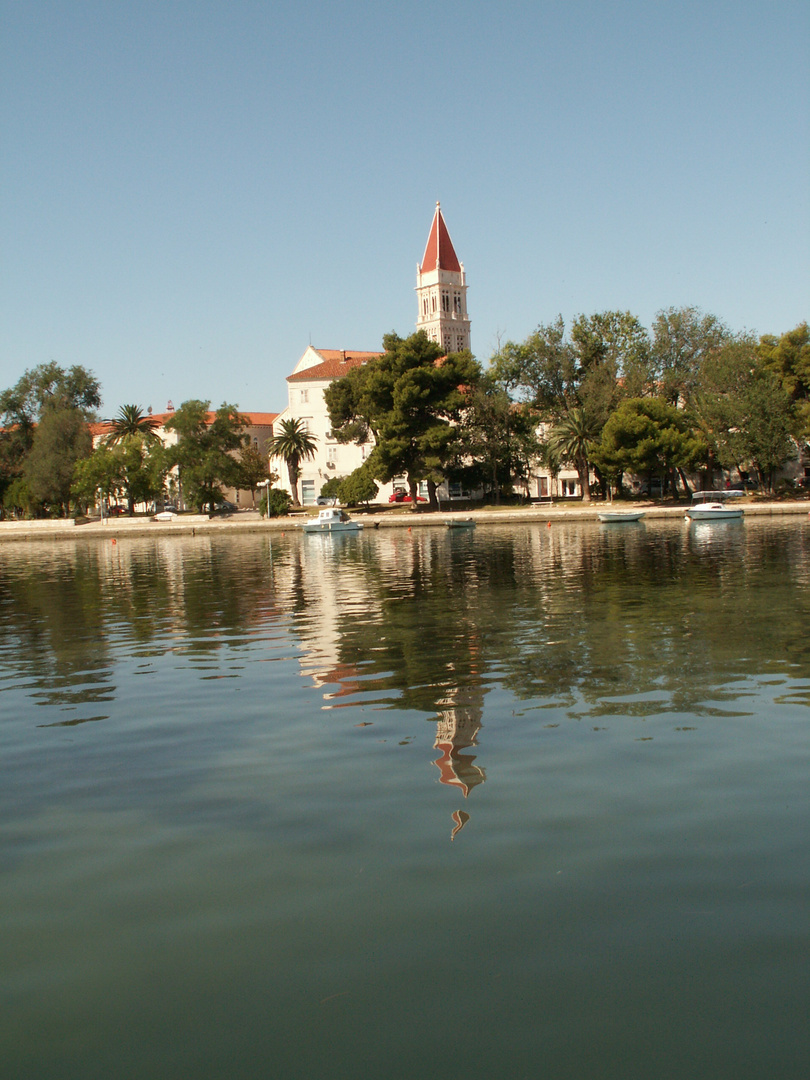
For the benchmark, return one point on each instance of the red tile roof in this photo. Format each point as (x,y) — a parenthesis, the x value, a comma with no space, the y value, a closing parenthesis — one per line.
(439,251)
(336,362)
(255,419)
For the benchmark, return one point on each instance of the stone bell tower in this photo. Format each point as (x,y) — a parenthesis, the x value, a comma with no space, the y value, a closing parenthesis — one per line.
(441,291)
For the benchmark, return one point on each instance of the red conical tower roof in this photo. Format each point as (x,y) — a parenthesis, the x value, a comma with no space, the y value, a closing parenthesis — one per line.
(439,251)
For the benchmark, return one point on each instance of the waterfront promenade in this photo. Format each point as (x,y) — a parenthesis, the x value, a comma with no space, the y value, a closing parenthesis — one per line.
(247,521)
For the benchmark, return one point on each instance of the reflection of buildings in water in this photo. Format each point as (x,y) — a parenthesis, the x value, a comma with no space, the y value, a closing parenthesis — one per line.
(328,594)
(456,730)
(460,817)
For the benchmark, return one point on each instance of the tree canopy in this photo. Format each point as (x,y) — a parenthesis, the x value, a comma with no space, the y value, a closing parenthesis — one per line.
(648,437)
(131,423)
(68,399)
(203,454)
(788,359)
(410,398)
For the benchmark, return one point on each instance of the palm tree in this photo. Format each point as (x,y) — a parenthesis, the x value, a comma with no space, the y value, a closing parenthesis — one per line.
(131,421)
(572,440)
(293,444)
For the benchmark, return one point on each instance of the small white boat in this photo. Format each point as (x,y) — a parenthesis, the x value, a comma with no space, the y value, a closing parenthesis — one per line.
(616,516)
(460,523)
(331,520)
(712,506)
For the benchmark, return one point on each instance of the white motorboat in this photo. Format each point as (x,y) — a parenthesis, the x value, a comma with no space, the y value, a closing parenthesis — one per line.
(331,520)
(460,523)
(613,517)
(712,506)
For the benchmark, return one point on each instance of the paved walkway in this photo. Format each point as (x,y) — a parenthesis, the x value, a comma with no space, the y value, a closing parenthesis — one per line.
(250,521)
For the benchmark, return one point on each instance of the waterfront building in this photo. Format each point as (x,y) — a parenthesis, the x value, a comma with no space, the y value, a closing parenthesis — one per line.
(259,432)
(441,289)
(316,369)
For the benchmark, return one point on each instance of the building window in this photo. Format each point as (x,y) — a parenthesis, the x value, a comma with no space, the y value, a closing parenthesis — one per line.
(331,453)
(308,492)
(433,301)
(457,303)
(304,397)
(445,301)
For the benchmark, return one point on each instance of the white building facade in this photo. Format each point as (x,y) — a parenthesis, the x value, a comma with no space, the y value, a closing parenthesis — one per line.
(316,369)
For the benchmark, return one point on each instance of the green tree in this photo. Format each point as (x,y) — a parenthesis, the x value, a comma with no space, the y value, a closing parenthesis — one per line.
(293,444)
(683,341)
(573,439)
(331,488)
(47,386)
(203,454)
(543,370)
(648,437)
(98,474)
(576,382)
(614,361)
(50,386)
(410,399)
(788,358)
(747,413)
(358,487)
(254,469)
(17,499)
(61,438)
(496,439)
(132,423)
(134,470)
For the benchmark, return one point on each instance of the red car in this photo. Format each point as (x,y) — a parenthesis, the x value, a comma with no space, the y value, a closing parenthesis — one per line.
(400,495)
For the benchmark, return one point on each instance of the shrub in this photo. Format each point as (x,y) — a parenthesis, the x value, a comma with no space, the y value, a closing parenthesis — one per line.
(276,503)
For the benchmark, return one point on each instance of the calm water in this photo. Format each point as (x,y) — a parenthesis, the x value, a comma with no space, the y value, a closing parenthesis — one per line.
(509,803)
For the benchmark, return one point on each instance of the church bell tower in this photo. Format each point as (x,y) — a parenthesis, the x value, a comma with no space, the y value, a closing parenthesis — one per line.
(441,291)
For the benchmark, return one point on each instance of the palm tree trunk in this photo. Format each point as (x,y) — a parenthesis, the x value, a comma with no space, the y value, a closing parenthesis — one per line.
(292,472)
(584,479)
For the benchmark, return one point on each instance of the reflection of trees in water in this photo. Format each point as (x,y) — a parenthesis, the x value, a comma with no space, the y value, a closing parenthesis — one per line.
(53,626)
(426,621)
(574,615)
(67,609)
(659,613)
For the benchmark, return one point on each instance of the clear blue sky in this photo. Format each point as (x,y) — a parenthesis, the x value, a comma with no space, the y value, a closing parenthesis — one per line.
(193,190)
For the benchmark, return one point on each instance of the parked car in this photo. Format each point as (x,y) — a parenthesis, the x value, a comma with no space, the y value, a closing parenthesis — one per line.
(326,500)
(399,495)
(116,509)
(225,508)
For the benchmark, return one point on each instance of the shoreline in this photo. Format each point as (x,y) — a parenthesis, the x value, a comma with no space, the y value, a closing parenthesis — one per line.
(251,522)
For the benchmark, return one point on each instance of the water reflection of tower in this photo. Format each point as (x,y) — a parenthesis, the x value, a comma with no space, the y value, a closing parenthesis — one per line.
(456,730)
